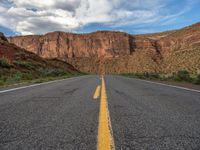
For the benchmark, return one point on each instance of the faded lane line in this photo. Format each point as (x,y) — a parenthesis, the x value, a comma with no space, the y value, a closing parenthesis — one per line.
(97,92)
(163,84)
(33,85)
(174,86)
(105,138)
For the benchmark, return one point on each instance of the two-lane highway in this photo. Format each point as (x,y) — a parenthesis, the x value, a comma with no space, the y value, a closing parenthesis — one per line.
(89,112)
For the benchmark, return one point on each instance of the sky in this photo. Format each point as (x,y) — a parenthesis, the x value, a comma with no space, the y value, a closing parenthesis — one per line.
(25,17)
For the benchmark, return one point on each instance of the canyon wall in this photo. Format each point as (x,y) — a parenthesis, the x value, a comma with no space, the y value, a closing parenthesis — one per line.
(117,52)
(68,45)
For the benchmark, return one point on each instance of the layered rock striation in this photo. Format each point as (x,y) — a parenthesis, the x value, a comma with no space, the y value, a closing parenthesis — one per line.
(117,52)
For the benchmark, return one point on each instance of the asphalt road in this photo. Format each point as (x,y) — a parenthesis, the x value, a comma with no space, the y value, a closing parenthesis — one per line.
(64,115)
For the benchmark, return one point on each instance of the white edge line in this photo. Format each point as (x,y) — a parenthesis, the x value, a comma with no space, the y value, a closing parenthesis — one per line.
(178,87)
(33,85)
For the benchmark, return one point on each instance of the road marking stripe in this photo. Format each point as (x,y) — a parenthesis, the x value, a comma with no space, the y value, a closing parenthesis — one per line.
(178,87)
(105,138)
(33,85)
(97,92)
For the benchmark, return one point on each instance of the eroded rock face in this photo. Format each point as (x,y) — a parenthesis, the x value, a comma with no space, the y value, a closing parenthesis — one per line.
(67,45)
(117,52)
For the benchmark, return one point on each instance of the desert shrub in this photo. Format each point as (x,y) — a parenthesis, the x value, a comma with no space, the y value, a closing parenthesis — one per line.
(17,77)
(164,77)
(153,75)
(197,79)
(52,72)
(27,76)
(20,77)
(134,75)
(144,75)
(140,75)
(147,75)
(14,78)
(24,64)
(2,83)
(182,76)
(5,63)
(2,80)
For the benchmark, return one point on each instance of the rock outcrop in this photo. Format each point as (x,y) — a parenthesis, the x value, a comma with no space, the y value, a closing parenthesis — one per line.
(68,45)
(117,52)
(14,59)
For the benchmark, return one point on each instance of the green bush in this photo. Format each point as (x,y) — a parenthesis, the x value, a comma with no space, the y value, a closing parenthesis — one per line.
(5,63)
(24,64)
(197,79)
(153,76)
(146,75)
(17,77)
(14,78)
(27,76)
(136,75)
(53,72)
(2,80)
(164,77)
(182,76)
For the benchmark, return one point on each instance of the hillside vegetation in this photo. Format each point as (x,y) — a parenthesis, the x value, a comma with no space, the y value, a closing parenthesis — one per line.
(18,65)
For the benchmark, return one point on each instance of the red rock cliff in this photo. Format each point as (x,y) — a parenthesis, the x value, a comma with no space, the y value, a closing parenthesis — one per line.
(117,52)
(68,45)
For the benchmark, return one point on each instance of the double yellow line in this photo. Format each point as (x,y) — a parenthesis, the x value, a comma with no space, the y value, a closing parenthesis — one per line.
(105,138)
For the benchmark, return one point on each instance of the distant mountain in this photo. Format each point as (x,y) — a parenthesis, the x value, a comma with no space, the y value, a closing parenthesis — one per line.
(117,52)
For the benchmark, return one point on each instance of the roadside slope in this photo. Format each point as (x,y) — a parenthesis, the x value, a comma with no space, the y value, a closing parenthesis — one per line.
(18,64)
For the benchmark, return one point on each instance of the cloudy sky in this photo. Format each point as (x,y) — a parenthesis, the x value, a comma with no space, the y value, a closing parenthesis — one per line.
(22,17)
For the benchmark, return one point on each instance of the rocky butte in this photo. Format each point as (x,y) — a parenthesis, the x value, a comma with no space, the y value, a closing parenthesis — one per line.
(117,52)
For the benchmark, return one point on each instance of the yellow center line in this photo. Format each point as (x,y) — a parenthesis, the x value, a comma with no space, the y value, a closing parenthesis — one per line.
(97,92)
(105,138)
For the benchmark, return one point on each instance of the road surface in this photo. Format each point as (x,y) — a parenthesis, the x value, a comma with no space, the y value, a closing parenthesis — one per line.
(91,112)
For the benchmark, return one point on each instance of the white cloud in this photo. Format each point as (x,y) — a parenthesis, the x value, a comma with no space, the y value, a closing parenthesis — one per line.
(41,16)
